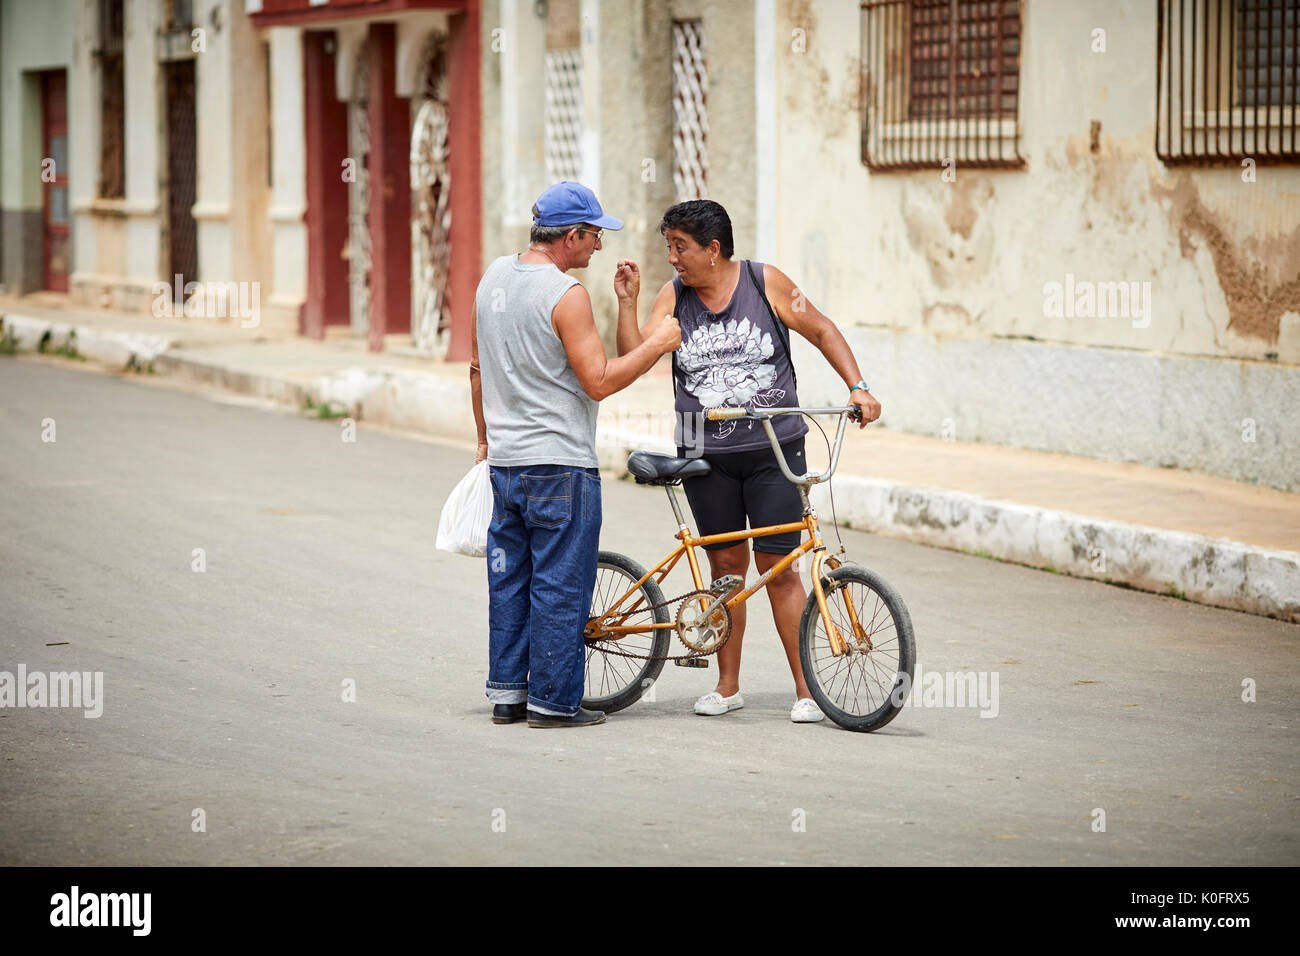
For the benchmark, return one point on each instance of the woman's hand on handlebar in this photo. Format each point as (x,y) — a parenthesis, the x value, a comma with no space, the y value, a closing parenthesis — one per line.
(867,405)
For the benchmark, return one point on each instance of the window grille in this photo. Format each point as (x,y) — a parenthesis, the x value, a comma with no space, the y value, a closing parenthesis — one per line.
(1227,74)
(941,82)
(563,115)
(690,111)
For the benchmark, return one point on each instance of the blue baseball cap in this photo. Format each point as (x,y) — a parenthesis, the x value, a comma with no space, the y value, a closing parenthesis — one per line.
(568,204)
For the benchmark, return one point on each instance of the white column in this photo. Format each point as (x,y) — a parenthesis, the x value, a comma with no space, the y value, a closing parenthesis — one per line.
(83,147)
(288,175)
(248,124)
(213,113)
(141,259)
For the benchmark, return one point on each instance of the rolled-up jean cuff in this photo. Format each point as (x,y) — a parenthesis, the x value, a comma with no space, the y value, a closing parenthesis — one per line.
(546,707)
(507,695)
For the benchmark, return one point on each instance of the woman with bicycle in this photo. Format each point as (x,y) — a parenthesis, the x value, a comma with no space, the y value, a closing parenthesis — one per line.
(735,318)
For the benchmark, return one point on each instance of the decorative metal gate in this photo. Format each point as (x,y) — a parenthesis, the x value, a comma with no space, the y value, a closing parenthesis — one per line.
(563,115)
(358,251)
(690,111)
(431,203)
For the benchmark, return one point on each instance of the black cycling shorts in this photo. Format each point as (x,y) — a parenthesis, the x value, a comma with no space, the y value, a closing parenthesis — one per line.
(749,485)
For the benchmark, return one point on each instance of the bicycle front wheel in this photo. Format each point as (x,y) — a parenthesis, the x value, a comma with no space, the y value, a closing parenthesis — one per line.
(865,687)
(614,682)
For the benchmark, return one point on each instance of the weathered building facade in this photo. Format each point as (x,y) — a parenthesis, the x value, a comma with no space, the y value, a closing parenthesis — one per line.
(1070,227)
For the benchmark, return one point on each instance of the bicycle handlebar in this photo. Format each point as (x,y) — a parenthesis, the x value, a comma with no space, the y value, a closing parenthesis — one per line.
(721,414)
(724,412)
(764,415)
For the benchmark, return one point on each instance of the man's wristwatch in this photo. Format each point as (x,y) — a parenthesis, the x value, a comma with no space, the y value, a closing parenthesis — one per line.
(861,385)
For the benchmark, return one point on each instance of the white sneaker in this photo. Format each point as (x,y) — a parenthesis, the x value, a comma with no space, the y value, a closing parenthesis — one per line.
(806,711)
(713,704)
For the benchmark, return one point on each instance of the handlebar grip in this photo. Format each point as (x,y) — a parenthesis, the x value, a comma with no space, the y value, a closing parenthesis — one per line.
(722,414)
(855,415)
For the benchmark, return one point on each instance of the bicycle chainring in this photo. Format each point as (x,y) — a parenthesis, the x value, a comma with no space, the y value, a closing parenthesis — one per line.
(719,631)
(701,635)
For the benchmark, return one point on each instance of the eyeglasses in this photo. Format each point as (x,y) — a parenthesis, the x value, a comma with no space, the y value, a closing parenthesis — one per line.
(591,229)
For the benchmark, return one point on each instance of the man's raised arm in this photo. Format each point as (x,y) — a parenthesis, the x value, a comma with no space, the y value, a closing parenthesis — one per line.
(600,376)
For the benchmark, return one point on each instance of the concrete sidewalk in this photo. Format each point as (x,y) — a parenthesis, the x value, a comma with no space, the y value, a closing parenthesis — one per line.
(1204,539)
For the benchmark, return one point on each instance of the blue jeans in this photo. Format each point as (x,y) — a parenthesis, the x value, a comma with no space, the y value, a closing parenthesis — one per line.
(542,546)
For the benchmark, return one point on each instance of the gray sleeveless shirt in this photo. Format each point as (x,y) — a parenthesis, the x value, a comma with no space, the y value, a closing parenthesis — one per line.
(535,410)
(739,356)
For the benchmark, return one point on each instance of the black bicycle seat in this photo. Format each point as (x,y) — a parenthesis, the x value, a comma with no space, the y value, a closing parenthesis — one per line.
(651,469)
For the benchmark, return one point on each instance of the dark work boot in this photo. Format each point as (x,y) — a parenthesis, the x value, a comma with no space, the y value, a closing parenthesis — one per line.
(583,718)
(509,713)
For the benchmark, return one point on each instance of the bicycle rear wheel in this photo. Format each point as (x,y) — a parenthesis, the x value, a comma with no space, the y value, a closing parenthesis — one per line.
(613,682)
(865,688)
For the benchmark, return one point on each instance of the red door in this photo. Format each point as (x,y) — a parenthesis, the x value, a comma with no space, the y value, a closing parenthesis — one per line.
(56,252)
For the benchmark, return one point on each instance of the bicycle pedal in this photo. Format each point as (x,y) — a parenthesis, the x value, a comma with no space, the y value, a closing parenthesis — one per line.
(692,662)
(726,584)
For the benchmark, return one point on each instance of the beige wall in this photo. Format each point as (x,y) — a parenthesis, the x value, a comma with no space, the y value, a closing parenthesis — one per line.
(634,106)
(35,36)
(906,250)
(118,242)
(121,245)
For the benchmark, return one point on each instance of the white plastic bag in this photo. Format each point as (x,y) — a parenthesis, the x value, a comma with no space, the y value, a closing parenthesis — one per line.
(463,527)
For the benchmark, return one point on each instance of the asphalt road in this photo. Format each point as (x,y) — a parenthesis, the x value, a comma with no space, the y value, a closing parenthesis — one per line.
(223,690)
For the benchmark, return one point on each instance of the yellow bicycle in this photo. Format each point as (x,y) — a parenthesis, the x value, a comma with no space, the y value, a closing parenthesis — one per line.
(856,643)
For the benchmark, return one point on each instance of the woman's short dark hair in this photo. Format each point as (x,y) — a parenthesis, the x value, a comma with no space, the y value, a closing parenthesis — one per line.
(703,220)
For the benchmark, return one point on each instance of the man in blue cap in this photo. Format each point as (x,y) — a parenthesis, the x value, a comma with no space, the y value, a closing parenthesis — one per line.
(537,373)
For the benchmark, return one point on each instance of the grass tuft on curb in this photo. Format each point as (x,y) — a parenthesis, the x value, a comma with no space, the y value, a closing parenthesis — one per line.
(325,410)
(67,350)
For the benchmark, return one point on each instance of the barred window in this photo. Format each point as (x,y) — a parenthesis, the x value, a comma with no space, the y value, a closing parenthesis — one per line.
(690,111)
(940,82)
(112,113)
(1227,73)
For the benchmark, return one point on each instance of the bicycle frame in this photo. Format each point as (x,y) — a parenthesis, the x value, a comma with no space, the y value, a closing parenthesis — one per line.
(689,542)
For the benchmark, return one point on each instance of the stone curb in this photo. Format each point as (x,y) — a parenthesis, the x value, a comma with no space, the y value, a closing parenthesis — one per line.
(108,347)
(1205,570)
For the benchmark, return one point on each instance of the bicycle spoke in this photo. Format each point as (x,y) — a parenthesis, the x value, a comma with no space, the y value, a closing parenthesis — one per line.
(610,674)
(859,683)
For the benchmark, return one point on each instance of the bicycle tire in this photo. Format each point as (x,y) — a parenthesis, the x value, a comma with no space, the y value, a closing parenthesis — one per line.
(879,672)
(620,682)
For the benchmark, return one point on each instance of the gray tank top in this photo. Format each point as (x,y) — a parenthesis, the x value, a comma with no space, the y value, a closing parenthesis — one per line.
(535,410)
(739,356)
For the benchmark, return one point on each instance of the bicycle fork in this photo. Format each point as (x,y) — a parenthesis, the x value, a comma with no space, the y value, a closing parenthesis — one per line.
(839,646)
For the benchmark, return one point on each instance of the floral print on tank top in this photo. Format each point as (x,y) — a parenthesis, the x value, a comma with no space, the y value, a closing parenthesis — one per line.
(729,363)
